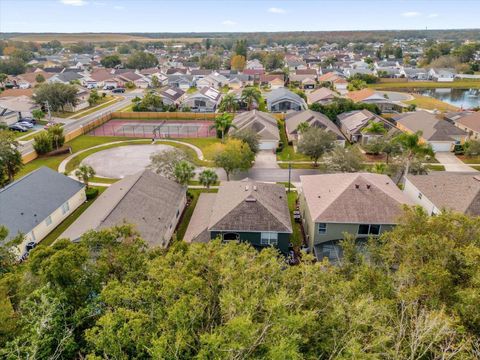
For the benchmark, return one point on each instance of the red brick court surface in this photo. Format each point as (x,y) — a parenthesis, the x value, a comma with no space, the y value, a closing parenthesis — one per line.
(158,129)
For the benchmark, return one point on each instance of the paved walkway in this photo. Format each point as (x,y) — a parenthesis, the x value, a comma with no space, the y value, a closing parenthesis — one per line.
(452,163)
(266,159)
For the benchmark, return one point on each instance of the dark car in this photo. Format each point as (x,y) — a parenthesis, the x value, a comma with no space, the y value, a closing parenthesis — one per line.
(118,90)
(30,245)
(29,119)
(108,87)
(17,127)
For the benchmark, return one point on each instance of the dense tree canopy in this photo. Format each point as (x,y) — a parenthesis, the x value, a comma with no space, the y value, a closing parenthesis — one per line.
(141,60)
(58,95)
(414,297)
(111,61)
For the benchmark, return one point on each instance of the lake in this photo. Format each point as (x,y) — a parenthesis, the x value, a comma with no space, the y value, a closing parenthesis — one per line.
(462,98)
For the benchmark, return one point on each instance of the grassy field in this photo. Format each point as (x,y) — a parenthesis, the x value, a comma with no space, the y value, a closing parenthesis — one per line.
(430,103)
(288,153)
(95,37)
(435,167)
(50,238)
(459,84)
(104,102)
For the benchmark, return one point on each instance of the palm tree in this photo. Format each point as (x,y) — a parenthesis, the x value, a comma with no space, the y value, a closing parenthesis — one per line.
(251,95)
(229,103)
(374,128)
(184,172)
(56,133)
(207,178)
(222,123)
(85,173)
(412,146)
(302,127)
(379,168)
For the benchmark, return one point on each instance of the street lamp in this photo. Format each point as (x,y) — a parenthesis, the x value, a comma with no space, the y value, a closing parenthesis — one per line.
(289,172)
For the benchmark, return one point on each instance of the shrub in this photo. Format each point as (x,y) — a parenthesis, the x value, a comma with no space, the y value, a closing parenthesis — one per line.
(42,143)
(91,193)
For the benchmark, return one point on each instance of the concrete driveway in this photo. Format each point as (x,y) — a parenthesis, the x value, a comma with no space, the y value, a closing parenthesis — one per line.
(452,163)
(266,159)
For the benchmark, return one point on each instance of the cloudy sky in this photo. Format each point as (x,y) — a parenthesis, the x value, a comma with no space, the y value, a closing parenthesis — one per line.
(232,16)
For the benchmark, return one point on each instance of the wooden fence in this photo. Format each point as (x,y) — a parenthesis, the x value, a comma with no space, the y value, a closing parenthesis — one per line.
(164,115)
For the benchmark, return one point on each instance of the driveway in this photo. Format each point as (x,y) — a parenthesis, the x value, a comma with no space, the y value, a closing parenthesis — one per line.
(266,159)
(452,163)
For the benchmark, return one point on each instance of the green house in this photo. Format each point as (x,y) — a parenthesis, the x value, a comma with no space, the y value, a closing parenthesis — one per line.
(247,211)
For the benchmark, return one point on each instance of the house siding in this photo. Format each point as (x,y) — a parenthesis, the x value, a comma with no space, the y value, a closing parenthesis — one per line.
(254,239)
(413,193)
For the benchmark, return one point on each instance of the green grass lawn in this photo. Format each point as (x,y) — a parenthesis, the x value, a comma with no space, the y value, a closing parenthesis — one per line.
(303,166)
(476,167)
(430,103)
(297,236)
(202,144)
(459,84)
(103,180)
(50,238)
(31,135)
(97,107)
(469,160)
(435,167)
(288,153)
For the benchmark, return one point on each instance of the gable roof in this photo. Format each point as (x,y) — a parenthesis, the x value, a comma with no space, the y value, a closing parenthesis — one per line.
(320,94)
(211,93)
(453,191)
(172,93)
(250,206)
(432,128)
(359,95)
(282,94)
(356,120)
(146,200)
(262,123)
(28,201)
(356,198)
(314,119)
(470,120)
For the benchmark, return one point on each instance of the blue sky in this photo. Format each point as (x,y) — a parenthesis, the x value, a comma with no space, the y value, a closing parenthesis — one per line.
(232,16)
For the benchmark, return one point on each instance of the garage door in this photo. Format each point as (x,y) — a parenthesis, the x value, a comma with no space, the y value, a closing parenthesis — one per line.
(441,146)
(267,145)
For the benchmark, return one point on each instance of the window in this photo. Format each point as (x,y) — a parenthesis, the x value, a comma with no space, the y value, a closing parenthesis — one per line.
(231,237)
(420,195)
(65,208)
(269,238)
(322,228)
(368,229)
(178,213)
(48,221)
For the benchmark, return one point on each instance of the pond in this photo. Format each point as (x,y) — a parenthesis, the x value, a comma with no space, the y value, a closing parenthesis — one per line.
(462,98)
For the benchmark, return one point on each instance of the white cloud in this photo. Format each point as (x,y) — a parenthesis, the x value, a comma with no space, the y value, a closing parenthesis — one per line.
(229,22)
(411,14)
(74,2)
(434,15)
(276,10)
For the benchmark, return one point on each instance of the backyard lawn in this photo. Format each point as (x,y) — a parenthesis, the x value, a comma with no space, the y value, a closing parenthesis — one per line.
(297,236)
(459,84)
(288,153)
(430,103)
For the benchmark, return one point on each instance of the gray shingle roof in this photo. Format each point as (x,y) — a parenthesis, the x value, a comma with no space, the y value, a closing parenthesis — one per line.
(30,200)
(264,124)
(146,200)
(281,94)
(314,119)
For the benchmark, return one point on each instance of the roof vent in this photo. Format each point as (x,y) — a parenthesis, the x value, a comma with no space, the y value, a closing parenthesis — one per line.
(254,187)
(368,186)
(246,188)
(250,199)
(357,186)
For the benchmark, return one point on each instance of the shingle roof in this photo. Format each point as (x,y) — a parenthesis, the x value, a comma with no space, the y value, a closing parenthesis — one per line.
(356,120)
(357,198)
(31,199)
(321,94)
(197,230)
(360,95)
(264,124)
(314,119)
(471,121)
(454,191)
(284,94)
(146,200)
(250,206)
(432,128)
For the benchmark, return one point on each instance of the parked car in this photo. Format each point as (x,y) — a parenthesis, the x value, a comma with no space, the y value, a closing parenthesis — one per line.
(108,87)
(17,127)
(28,119)
(91,86)
(118,90)
(30,246)
(26,124)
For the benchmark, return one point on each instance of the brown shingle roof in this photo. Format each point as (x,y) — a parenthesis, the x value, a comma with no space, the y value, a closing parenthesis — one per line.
(360,95)
(355,198)
(320,94)
(471,121)
(314,119)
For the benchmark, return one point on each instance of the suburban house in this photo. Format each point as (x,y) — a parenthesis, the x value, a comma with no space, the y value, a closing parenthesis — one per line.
(172,95)
(321,96)
(151,202)
(369,96)
(361,204)
(354,124)
(214,80)
(139,81)
(313,119)
(275,81)
(14,107)
(440,134)
(263,124)
(37,203)
(282,99)
(302,74)
(468,121)
(205,100)
(99,78)
(308,84)
(29,80)
(247,211)
(415,73)
(254,64)
(442,74)
(440,190)
(183,82)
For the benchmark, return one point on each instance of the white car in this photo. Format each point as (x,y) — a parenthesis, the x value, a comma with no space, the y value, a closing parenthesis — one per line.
(91,86)
(25,124)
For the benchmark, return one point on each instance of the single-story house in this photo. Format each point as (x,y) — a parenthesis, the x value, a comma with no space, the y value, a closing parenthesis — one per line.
(263,124)
(37,203)
(254,64)
(313,119)
(205,100)
(442,74)
(214,80)
(14,107)
(172,95)
(65,77)
(247,211)
(440,134)
(369,96)
(138,80)
(415,73)
(361,204)
(439,190)
(183,82)
(282,99)
(275,80)
(150,202)
(301,74)
(353,125)
(468,121)
(321,96)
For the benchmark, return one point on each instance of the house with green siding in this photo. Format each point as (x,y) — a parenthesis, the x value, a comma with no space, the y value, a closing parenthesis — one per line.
(247,211)
(361,204)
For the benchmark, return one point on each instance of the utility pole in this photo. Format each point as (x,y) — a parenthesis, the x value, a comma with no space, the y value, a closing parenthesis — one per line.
(289,172)
(47,106)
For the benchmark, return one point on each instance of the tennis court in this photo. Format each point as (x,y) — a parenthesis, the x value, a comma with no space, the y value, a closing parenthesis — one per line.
(155,129)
